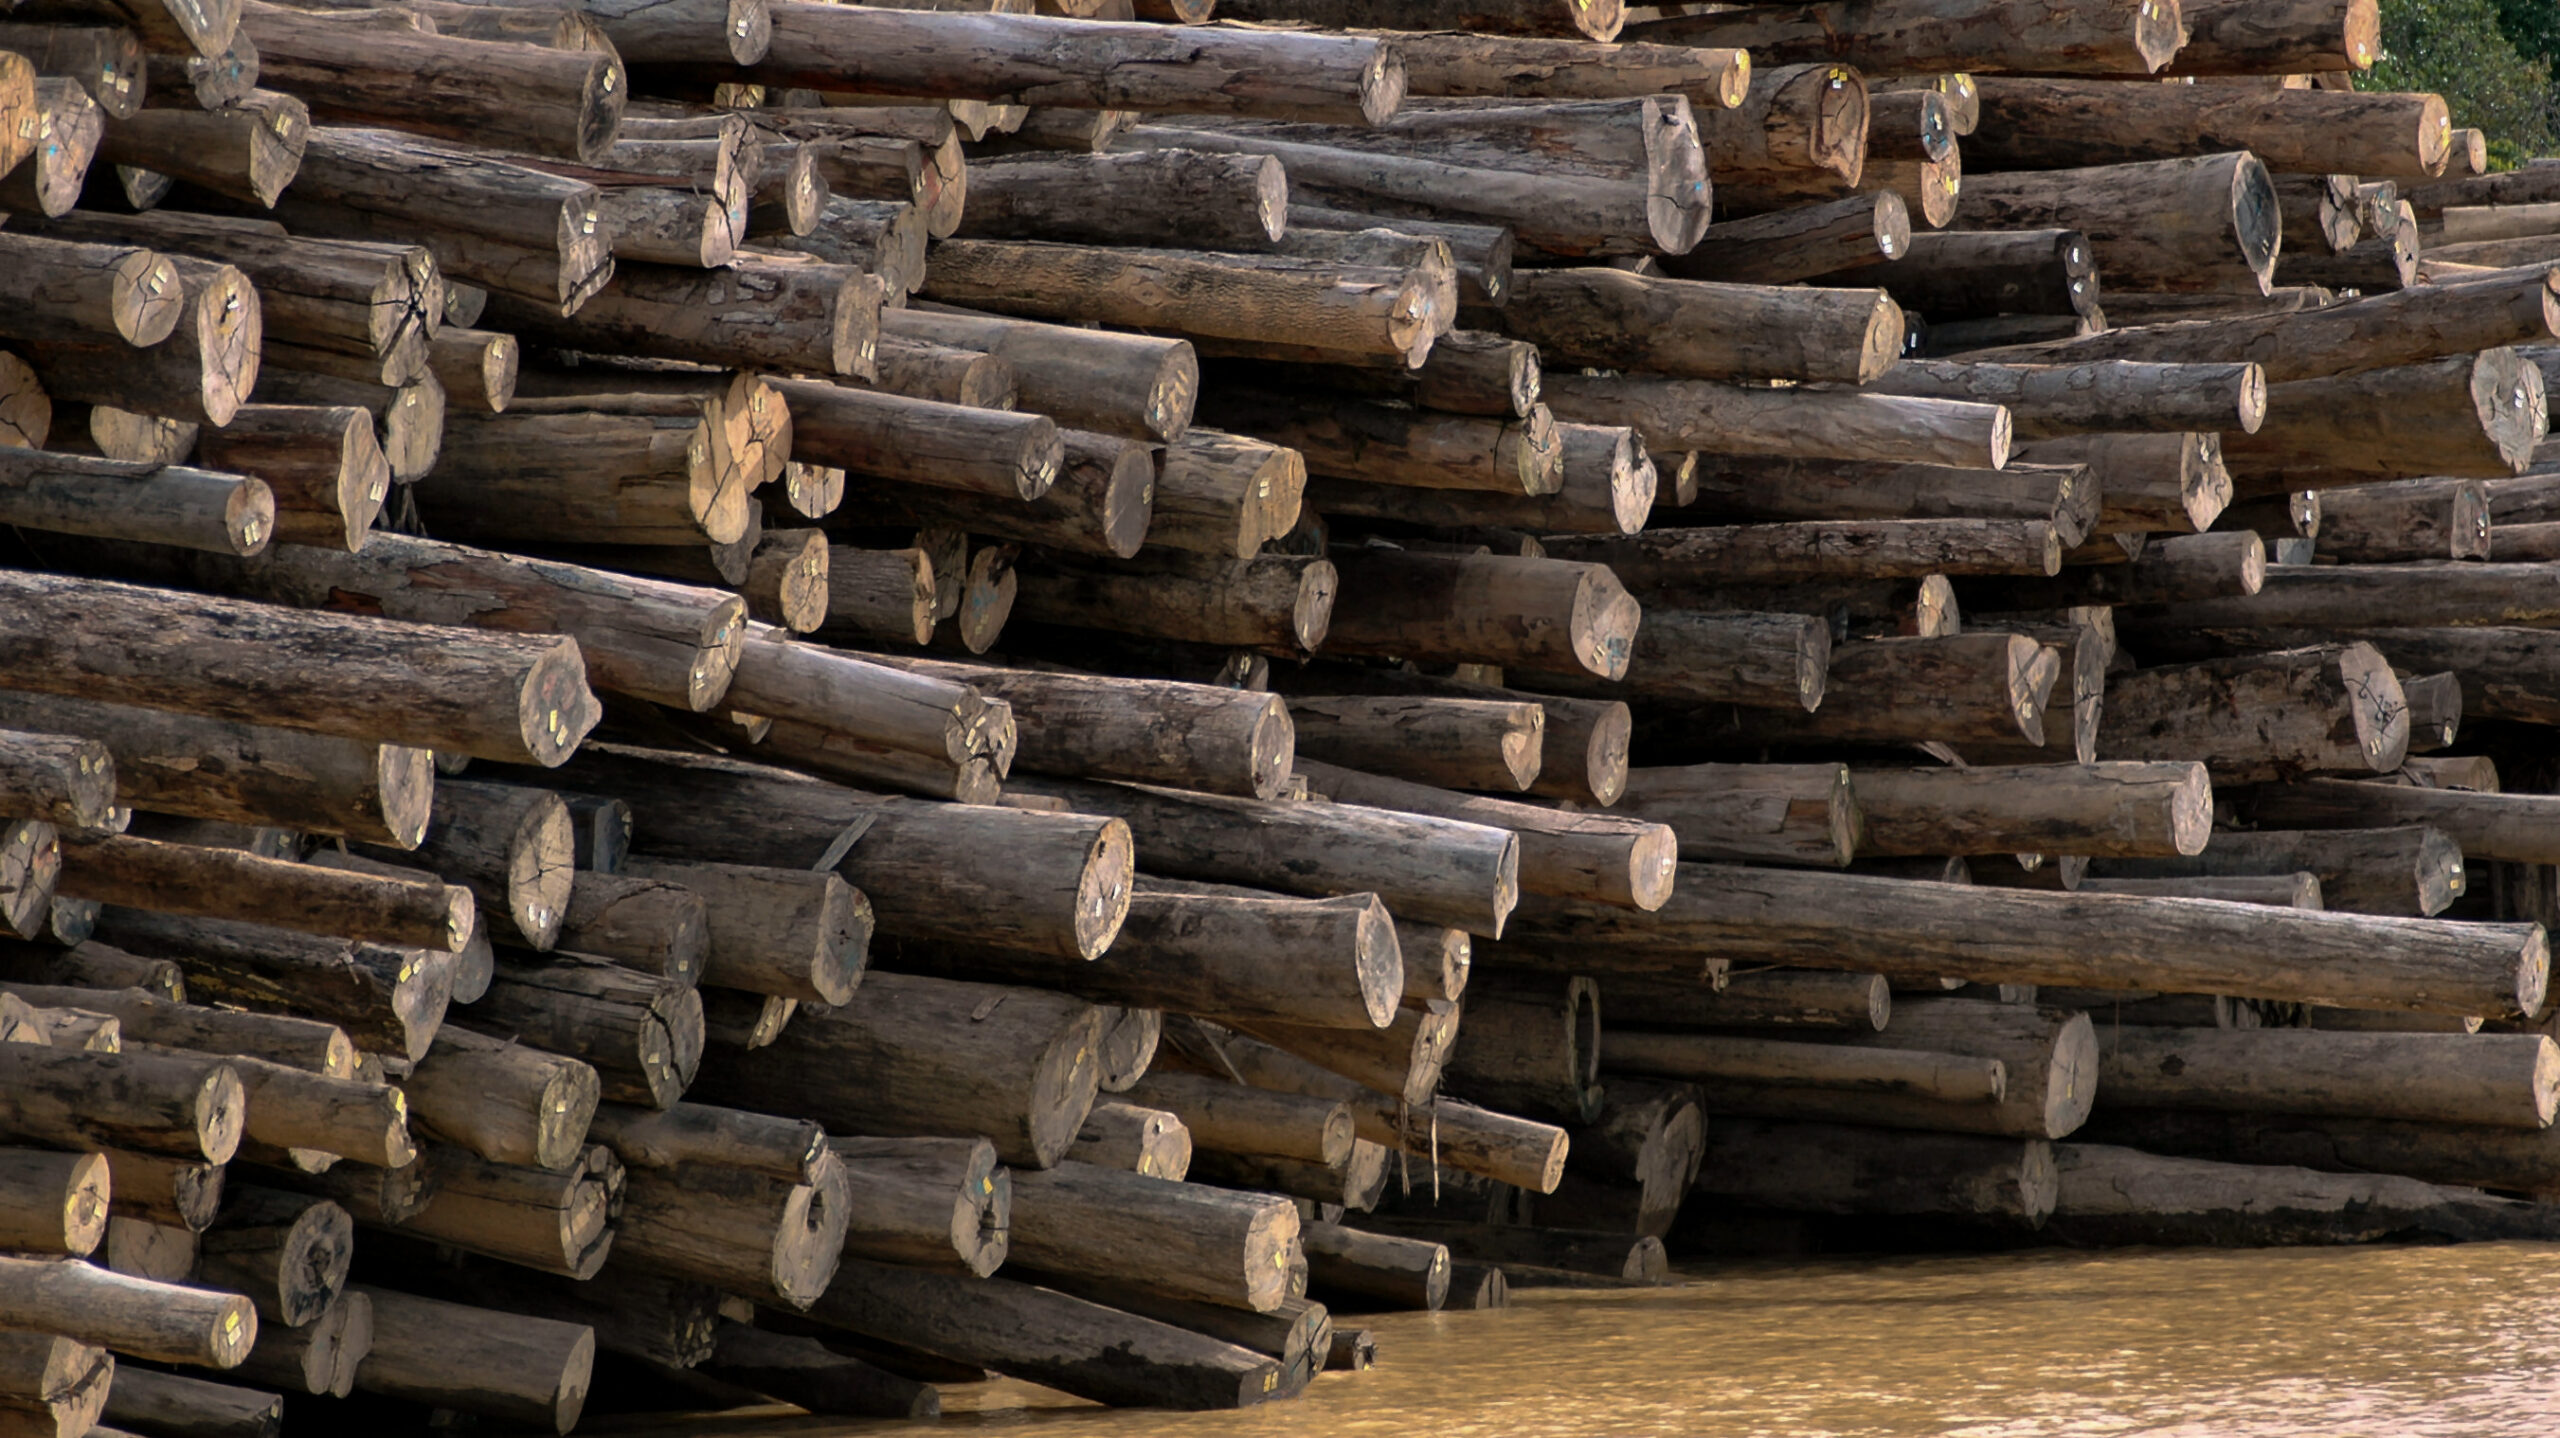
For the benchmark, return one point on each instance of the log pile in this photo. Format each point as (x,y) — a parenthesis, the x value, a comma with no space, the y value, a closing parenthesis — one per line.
(793,701)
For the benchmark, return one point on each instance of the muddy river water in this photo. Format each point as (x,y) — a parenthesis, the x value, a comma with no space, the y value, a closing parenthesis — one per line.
(2386,1342)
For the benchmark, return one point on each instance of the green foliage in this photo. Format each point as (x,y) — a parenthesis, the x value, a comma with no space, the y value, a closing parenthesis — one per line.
(2468,51)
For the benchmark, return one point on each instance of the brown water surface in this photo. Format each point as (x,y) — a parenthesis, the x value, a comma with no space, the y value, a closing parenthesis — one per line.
(2387,1342)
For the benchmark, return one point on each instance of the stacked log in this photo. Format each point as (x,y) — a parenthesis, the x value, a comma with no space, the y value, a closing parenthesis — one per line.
(680,677)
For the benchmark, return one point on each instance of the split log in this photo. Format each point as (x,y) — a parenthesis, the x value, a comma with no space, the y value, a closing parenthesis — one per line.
(503,1366)
(505,1102)
(161,1321)
(2412,870)
(2496,1080)
(2092,940)
(387,999)
(1024,1074)
(1046,1337)
(2332,708)
(1678,416)
(1837,1168)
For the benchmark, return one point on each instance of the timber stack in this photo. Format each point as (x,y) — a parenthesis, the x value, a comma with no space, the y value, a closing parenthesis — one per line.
(728,701)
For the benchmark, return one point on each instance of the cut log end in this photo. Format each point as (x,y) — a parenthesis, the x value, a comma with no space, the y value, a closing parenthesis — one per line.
(1311,615)
(1103,892)
(556,708)
(144,298)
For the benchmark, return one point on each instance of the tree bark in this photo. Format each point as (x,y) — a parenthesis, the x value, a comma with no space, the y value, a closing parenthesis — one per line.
(1181,1240)
(228,884)
(2113,810)
(2231,37)
(1164,197)
(744,1233)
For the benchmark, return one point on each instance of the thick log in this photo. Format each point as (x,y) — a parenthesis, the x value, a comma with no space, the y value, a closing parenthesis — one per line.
(1188,736)
(1227,953)
(664,642)
(1136,386)
(1046,1337)
(2227,37)
(1836,238)
(319,1358)
(1837,1168)
(2380,332)
(699,1136)
(1532,1046)
(68,290)
(154,1192)
(163,1321)
(744,1233)
(388,999)
(2412,870)
(2113,809)
(69,125)
(1236,1118)
(2496,1080)
(2186,566)
(219,883)
(1098,505)
(2040,124)
(551,1222)
(1904,38)
(1381,445)
(504,1366)
(529,97)
(2479,414)
(2108,397)
(807,1374)
(655,926)
(784,311)
(1987,688)
(1800,133)
(1598,21)
(940,1203)
(2500,1158)
(226,514)
(2408,520)
(1024,1075)
(1321,304)
(1454,743)
(151,1402)
(288,1252)
(2201,222)
(511,847)
(56,1203)
(2332,708)
(503,1101)
(973,873)
(310,1120)
(643,1034)
(1903,928)
(1375,1270)
(1488,609)
(1774,554)
(1434,870)
(1612,859)
(1607,487)
(2173,483)
(1015,59)
(791,933)
(2516,828)
(606,478)
(1699,330)
(201,374)
(105,59)
(165,1103)
(1783,813)
(888,707)
(1676,416)
(1179,1239)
